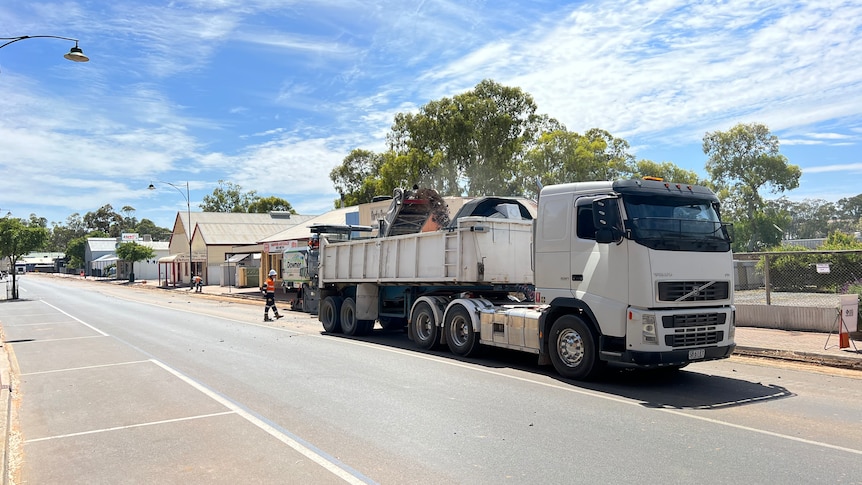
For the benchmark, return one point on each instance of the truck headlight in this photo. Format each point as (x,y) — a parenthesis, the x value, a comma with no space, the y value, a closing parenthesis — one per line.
(648,327)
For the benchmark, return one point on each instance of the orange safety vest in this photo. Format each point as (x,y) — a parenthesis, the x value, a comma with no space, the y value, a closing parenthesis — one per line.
(270,285)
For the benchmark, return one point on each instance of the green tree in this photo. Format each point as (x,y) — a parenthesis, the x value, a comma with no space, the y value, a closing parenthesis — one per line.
(61,234)
(765,228)
(104,219)
(264,205)
(849,212)
(355,178)
(667,171)
(838,240)
(133,252)
(743,161)
(76,249)
(561,156)
(228,197)
(18,238)
(470,144)
(147,226)
(129,222)
(809,218)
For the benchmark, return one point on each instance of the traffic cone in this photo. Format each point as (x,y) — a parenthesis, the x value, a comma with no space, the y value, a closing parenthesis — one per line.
(843,340)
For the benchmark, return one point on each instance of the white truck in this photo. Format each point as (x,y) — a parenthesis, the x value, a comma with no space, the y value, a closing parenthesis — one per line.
(634,273)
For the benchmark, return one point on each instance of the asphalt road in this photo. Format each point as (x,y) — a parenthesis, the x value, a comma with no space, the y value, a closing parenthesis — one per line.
(123,385)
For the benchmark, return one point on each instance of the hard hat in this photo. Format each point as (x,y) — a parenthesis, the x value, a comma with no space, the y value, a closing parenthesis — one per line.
(272,272)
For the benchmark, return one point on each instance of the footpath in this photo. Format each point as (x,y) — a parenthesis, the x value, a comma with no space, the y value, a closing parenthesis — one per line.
(805,347)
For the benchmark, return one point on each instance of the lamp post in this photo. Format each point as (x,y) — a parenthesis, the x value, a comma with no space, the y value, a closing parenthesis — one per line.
(75,53)
(189,212)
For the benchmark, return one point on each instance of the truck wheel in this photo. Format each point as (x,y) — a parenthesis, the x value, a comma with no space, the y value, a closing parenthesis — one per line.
(349,324)
(330,314)
(573,348)
(459,332)
(426,333)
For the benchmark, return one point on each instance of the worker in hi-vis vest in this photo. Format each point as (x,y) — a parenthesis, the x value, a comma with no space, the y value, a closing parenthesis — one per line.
(269,291)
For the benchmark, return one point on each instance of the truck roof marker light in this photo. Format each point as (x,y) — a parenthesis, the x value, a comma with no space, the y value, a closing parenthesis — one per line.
(630,315)
(657,179)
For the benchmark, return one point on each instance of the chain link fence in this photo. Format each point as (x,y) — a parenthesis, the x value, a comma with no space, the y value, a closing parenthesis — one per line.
(797,278)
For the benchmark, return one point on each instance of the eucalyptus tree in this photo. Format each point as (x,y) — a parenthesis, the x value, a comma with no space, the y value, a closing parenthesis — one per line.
(742,162)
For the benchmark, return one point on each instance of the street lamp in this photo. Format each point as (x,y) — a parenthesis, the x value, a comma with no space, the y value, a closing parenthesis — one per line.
(188,228)
(75,53)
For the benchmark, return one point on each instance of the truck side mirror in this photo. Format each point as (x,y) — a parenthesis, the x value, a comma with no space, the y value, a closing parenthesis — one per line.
(606,218)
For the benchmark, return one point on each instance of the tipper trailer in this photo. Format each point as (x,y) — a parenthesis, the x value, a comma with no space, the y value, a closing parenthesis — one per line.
(635,273)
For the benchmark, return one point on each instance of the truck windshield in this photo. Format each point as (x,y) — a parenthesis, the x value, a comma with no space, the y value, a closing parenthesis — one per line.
(676,224)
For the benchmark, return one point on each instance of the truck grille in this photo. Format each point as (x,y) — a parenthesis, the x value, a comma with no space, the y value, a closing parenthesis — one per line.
(693,320)
(693,290)
(693,336)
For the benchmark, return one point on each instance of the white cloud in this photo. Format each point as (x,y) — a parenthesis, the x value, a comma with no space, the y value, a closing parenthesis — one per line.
(847,167)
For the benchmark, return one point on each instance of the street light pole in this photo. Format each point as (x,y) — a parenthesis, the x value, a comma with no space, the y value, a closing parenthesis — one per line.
(75,53)
(189,222)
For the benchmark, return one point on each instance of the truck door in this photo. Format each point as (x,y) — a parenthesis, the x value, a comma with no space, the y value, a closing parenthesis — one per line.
(599,271)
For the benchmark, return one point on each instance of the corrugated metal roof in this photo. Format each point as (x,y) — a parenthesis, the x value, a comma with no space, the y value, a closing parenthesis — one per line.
(156,245)
(98,244)
(241,218)
(218,234)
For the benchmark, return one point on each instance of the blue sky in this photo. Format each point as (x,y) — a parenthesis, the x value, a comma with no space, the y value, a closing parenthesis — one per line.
(272,94)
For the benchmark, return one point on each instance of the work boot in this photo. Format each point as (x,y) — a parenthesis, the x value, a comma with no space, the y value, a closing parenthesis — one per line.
(277,316)
(266,318)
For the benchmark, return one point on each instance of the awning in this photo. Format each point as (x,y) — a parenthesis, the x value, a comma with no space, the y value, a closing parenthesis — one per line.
(169,259)
(237,258)
(108,258)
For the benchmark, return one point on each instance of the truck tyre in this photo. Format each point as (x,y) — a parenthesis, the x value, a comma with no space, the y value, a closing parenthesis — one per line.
(572,348)
(459,331)
(426,333)
(349,324)
(330,314)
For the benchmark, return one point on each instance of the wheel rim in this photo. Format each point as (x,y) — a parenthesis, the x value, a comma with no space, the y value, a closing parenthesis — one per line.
(570,347)
(461,329)
(424,326)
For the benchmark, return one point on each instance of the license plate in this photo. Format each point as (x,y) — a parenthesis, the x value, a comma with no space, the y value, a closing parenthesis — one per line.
(696,354)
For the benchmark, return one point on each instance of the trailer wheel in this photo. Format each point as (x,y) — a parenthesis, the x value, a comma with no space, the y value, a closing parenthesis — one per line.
(330,314)
(349,324)
(459,331)
(426,333)
(573,348)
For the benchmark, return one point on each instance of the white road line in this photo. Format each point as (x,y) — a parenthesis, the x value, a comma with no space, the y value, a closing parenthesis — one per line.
(117,428)
(74,318)
(29,314)
(40,323)
(762,431)
(85,368)
(314,455)
(40,340)
(606,397)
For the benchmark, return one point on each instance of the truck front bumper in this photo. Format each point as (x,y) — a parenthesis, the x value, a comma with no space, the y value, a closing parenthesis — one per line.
(669,358)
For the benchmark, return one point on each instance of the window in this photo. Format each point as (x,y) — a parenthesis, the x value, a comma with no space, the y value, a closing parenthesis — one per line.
(586,226)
